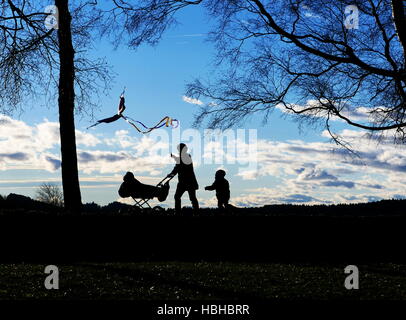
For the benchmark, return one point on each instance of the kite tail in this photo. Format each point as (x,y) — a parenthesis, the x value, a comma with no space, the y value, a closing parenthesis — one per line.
(166,121)
(107,120)
(93,125)
(131,123)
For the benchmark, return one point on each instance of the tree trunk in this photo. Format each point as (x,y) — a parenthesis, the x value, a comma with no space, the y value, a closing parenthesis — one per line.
(66,101)
(398,12)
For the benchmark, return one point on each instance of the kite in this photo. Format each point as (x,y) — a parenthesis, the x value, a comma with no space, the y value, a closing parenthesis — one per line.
(166,121)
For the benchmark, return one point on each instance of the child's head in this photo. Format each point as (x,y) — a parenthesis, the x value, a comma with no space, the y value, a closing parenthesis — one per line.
(220,174)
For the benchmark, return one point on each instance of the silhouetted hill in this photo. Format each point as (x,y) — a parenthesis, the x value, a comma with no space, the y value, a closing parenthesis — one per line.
(20,202)
(395,207)
(347,232)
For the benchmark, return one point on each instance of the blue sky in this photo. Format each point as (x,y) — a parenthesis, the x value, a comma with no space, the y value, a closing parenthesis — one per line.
(293,166)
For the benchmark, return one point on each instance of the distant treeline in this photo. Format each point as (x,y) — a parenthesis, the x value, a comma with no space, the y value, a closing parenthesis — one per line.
(393,207)
(14,203)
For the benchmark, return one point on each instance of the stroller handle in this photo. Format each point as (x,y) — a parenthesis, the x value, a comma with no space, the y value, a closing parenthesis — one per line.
(168,178)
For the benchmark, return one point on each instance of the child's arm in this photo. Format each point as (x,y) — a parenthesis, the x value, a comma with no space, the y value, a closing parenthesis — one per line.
(210,188)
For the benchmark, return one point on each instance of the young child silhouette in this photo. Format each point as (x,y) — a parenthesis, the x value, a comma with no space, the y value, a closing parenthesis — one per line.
(222,188)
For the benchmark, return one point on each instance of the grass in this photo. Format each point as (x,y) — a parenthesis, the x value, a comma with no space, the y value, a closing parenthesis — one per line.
(201,281)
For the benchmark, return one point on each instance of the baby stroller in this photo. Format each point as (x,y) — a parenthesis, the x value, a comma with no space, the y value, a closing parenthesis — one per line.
(142,193)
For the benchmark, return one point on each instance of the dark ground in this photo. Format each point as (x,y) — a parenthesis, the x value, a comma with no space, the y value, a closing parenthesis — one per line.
(202,281)
(256,254)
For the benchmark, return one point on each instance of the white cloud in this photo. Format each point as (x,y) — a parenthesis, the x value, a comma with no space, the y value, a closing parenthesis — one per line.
(86,139)
(318,171)
(192,100)
(37,147)
(290,171)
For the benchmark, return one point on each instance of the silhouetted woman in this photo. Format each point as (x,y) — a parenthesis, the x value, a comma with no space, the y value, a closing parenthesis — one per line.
(186,177)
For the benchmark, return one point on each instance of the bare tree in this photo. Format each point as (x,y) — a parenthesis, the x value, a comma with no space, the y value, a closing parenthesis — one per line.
(296,55)
(66,103)
(36,60)
(50,193)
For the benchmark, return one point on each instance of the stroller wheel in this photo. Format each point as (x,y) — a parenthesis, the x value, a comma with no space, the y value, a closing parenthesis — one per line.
(163,192)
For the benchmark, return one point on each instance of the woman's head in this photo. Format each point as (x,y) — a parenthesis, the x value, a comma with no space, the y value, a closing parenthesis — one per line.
(182,147)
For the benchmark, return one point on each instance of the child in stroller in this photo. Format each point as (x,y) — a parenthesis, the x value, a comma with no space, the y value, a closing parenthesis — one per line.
(131,187)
